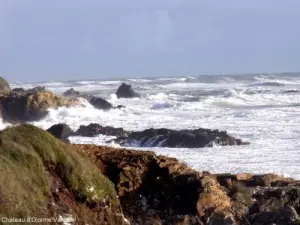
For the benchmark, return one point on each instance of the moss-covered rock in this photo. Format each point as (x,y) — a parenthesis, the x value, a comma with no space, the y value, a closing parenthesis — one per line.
(4,86)
(40,175)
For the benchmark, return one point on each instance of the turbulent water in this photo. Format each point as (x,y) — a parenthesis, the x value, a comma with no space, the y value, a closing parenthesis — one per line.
(261,109)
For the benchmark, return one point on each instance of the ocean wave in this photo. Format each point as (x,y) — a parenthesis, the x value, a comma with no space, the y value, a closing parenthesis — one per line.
(267,84)
(161,105)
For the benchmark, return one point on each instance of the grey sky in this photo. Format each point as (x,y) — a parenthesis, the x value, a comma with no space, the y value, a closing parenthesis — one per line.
(81,39)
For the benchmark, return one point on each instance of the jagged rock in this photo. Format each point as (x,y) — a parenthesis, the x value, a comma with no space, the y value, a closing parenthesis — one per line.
(19,106)
(61,131)
(71,93)
(160,190)
(4,85)
(178,139)
(126,91)
(95,129)
(100,103)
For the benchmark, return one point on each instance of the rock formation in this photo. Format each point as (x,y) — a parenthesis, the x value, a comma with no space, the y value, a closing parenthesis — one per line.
(4,86)
(160,190)
(197,138)
(23,106)
(42,177)
(126,91)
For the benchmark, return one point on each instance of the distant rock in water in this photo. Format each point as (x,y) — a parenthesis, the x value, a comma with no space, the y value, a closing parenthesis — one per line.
(291,91)
(126,91)
(100,103)
(36,89)
(31,90)
(23,106)
(198,138)
(18,90)
(71,93)
(95,129)
(119,107)
(61,131)
(4,85)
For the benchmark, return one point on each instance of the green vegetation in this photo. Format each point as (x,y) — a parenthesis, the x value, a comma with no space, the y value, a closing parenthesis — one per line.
(29,157)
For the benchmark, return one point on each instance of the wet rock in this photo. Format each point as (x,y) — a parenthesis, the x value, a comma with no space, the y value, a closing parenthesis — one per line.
(18,90)
(100,103)
(119,107)
(71,93)
(126,91)
(61,131)
(4,85)
(36,89)
(95,129)
(20,107)
(178,139)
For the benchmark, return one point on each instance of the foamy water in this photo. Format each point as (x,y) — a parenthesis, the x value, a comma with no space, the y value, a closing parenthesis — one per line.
(255,108)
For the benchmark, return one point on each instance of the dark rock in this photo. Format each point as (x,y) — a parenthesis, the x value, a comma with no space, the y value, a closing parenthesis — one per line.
(71,93)
(4,85)
(36,89)
(291,91)
(178,139)
(18,90)
(100,103)
(61,131)
(95,129)
(126,91)
(120,107)
(20,107)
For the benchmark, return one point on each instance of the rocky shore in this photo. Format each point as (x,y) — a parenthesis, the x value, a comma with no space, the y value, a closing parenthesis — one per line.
(43,175)
(103,185)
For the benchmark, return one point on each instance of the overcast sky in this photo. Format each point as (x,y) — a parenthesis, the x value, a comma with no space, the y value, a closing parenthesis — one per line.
(86,39)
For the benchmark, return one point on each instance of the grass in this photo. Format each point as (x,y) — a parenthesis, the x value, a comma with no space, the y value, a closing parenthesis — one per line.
(28,155)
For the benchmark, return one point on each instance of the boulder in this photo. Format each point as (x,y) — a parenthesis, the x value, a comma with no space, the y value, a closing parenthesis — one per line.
(4,85)
(95,129)
(61,131)
(20,107)
(100,103)
(198,138)
(71,93)
(126,91)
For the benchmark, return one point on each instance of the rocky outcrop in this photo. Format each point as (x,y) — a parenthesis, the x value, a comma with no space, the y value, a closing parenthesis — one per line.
(18,90)
(42,176)
(178,139)
(20,106)
(100,103)
(61,131)
(95,129)
(126,91)
(160,190)
(4,85)
(36,89)
(97,102)
(72,93)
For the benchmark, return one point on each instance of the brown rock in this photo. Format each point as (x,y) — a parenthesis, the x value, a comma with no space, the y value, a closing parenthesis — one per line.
(18,106)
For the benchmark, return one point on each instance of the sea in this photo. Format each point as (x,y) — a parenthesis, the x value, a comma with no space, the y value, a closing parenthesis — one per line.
(263,109)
